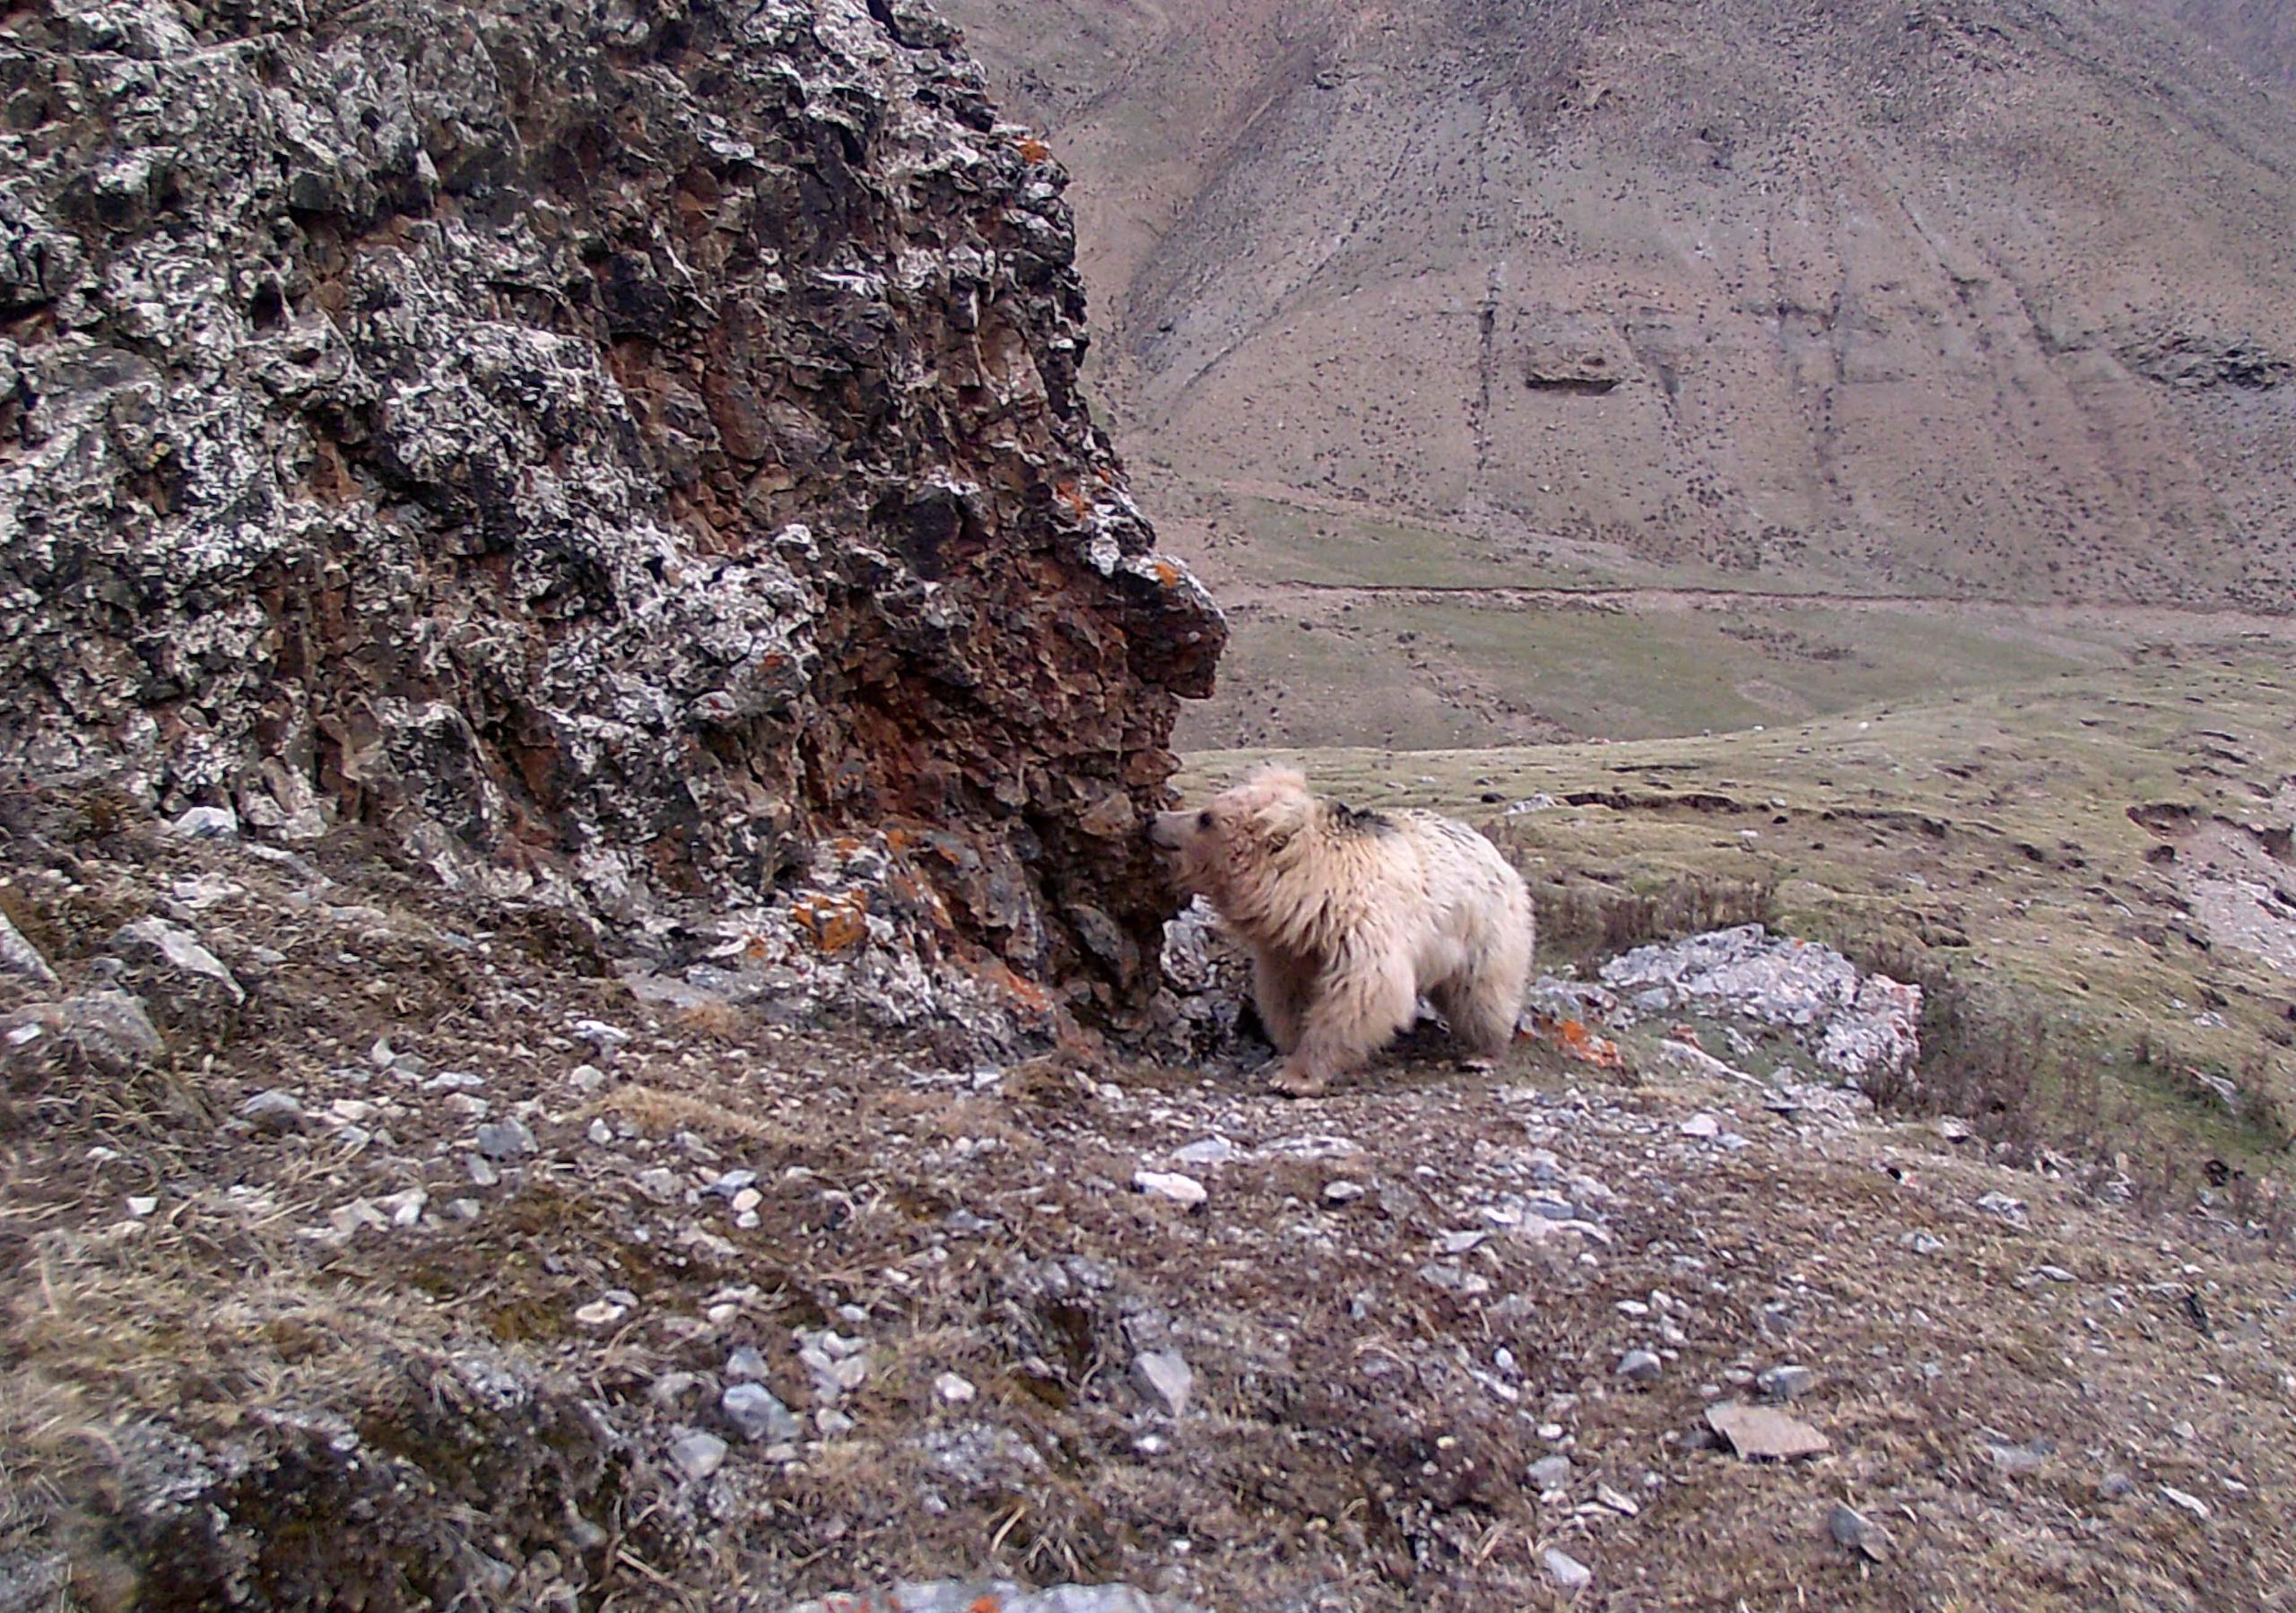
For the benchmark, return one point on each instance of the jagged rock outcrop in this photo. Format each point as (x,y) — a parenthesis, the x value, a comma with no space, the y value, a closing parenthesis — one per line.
(611,448)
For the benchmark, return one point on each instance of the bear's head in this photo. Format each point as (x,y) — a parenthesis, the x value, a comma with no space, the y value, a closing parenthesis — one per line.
(1222,848)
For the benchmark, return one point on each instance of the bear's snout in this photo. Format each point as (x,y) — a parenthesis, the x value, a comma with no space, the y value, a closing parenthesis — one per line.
(1166,831)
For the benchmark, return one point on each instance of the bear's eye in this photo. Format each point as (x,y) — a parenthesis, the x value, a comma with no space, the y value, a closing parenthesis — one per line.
(1204,819)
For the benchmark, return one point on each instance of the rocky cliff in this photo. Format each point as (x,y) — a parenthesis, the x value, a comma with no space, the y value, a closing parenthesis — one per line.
(625,453)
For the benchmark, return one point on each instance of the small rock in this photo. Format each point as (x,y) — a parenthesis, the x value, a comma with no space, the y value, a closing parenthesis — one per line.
(601,1313)
(1852,1529)
(1453,1278)
(404,1209)
(140,1206)
(606,1040)
(274,1111)
(1343,1192)
(186,983)
(1701,1125)
(1922,1243)
(505,1140)
(2053,1274)
(2001,1204)
(1571,1576)
(757,1415)
(586,1078)
(2116,1486)
(1165,1379)
(482,1173)
(1184,1190)
(109,1030)
(672,1387)
(1625,1505)
(348,1218)
(697,1454)
(955,1391)
(19,958)
(1640,1366)
(207,823)
(1550,1473)
(745,1366)
(1785,1382)
(1210,1150)
(2191,1503)
(2022,1460)
(1759,1433)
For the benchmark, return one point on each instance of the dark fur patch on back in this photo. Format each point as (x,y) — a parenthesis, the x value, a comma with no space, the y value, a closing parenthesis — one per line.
(1350,820)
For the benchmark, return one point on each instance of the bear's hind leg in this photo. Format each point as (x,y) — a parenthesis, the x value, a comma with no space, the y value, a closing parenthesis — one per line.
(1354,1013)
(1484,1003)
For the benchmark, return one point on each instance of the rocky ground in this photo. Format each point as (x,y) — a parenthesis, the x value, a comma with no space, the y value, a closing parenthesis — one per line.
(368,1246)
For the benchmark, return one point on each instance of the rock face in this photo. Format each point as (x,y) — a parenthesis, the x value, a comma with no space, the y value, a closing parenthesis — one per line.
(612,450)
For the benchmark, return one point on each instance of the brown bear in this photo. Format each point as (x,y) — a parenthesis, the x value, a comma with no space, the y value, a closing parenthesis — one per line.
(1352,916)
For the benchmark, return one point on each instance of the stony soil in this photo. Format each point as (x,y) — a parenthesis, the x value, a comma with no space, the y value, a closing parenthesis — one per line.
(437,1268)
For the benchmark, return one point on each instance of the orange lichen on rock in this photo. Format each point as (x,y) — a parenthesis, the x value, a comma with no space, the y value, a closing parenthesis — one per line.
(1033,150)
(1581,1044)
(835,922)
(1025,993)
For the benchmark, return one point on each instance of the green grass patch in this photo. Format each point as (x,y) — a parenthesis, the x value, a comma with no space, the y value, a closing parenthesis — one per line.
(2033,856)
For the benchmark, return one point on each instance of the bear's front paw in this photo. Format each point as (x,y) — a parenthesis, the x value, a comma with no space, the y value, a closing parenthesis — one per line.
(1294,1082)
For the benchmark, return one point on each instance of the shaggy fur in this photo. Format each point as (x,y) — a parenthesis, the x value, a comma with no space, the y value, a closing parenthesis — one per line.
(1352,916)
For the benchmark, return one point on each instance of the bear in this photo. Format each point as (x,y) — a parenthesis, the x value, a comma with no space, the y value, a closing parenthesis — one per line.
(1351,916)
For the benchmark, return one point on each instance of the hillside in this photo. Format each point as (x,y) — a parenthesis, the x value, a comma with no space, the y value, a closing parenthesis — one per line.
(2255,35)
(585,1025)
(413,1252)
(1925,303)
(1986,298)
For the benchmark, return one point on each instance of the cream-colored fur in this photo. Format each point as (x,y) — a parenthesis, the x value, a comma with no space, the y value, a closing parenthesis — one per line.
(1352,916)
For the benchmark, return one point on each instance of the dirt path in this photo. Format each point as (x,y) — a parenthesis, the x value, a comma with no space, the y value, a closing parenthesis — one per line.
(2138,619)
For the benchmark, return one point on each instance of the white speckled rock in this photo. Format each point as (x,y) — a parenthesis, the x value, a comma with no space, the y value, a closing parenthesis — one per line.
(396,437)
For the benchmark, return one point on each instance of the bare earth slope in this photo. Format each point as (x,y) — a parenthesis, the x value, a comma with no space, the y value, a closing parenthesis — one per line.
(2258,36)
(426,1268)
(1989,299)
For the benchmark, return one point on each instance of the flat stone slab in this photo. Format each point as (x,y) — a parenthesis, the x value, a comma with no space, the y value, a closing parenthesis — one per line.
(1765,1434)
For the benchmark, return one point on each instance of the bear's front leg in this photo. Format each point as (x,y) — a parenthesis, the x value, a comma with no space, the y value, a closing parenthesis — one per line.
(1355,1010)
(1279,989)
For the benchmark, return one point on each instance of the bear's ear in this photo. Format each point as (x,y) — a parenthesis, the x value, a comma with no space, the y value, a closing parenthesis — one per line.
(1275,776)
(1279,816)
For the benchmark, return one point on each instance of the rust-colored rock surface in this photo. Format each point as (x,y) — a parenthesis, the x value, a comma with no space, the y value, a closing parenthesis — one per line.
(609,448)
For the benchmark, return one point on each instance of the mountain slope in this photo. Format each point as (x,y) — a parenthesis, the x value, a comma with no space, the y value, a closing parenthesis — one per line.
(1984,298)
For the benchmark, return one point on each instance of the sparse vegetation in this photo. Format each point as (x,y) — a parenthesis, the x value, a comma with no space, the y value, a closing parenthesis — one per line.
(1981,846)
